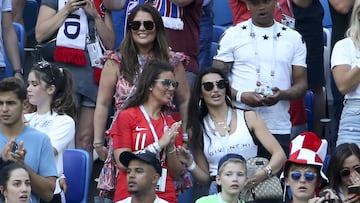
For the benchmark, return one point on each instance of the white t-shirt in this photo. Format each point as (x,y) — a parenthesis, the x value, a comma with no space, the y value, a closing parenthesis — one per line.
(61,131)
(345,52)
(157,200)
(5,6)
(239,142)
(277,56)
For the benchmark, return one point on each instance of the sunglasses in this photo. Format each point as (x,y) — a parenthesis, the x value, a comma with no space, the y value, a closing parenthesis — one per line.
(166,83)
(296,175)
(43,65)
(221,84)
(135,25)
(345,172)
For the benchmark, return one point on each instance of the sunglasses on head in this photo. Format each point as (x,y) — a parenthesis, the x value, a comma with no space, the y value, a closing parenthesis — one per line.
(346,171)
(135,25)
(166,83)
(296,175)
(44,65)
(221,84)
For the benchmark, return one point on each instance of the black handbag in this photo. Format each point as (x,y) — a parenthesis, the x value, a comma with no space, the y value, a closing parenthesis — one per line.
(47,50)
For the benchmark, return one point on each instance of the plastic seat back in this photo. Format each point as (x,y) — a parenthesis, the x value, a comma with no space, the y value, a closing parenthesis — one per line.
(222,13)
(218,31)
(77,173)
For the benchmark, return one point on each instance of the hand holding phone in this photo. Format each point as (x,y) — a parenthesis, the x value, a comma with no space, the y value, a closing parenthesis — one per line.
(354,189)
(14,147)
(83,2)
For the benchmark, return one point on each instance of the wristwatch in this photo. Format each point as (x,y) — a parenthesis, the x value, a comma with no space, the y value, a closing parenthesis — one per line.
(20,70)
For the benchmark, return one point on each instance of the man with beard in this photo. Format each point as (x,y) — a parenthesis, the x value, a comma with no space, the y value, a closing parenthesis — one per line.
(143,174)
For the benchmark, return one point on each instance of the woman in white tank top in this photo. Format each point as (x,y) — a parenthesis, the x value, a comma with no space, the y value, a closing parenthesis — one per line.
(217,128)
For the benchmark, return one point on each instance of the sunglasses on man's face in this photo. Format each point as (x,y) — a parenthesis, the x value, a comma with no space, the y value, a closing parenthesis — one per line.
(166,83)
(345,172)
(221,84)
(296,175)
(135,25)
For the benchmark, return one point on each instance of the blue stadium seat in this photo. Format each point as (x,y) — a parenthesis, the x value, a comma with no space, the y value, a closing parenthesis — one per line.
(218,30)
(214,47)
(77,172)
(327,17)
(222,13)
(19,29)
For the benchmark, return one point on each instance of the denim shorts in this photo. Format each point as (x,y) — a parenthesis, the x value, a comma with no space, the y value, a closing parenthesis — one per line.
(349,126)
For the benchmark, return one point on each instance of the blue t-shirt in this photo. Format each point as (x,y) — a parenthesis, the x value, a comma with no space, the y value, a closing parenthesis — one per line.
(39,153)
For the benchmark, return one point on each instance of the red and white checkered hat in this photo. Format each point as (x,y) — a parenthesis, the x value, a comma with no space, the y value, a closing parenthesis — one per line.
(307,148)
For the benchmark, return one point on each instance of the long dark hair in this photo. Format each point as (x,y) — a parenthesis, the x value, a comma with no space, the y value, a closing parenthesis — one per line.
(198,110)
(338,157)
(151,72)
(5,169)
(129,50)
(63,98)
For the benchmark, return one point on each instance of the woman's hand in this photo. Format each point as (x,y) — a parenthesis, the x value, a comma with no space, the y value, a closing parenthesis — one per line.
(63,184)
(260,175)
(73,5)
(351,198)
(170,135)
(90,9)
(102,152)
(184,156)
(354,177)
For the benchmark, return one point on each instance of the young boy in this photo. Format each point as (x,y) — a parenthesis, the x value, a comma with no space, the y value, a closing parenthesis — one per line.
(302,171)
(231,179)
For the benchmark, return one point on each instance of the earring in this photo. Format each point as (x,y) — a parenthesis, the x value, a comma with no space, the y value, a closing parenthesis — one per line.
(6,200)
(200,103)
(150,89)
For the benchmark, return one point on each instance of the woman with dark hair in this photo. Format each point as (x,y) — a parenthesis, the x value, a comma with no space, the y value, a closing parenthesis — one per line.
(217,128)
(50,90)
(145,39)
(15,184)
(344,171)
(144,125)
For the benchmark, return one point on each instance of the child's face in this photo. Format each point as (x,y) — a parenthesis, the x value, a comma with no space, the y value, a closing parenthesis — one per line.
(302,181)
(232,178)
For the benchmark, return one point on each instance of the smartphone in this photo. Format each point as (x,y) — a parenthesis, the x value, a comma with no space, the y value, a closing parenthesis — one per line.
(328,201)
(14,148)
(84,3)
(354,189)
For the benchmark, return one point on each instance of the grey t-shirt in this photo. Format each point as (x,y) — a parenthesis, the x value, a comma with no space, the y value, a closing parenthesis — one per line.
(83,77)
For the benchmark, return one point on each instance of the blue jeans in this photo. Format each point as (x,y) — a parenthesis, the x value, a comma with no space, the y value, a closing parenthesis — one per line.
(349,127)
(206,24)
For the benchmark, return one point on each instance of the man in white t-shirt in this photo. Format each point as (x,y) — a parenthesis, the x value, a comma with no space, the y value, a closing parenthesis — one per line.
(143,173)
(266,65)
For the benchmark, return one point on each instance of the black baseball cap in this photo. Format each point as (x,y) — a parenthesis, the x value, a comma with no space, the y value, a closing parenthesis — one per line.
(230,156)
(143,155)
